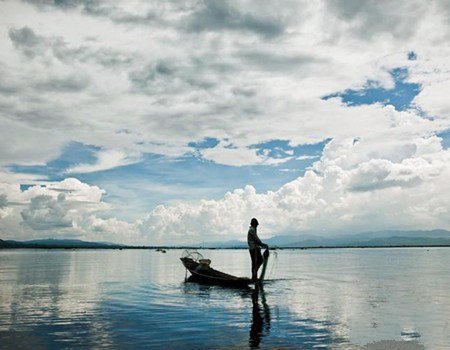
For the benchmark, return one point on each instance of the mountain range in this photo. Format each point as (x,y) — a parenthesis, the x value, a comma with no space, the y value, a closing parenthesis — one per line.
(389,238)
(56,243)
(386,238)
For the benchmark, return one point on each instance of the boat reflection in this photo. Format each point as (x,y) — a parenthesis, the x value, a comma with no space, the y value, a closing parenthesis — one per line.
(260,325)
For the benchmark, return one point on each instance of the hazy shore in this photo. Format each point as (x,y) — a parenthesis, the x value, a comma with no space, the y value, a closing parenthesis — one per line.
(217,248)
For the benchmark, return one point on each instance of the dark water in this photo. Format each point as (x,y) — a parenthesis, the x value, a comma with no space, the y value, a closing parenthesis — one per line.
(342,298)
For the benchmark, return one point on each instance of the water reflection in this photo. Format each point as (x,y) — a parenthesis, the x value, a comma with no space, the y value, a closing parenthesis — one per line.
(237,308)
(48,306)
(260,325)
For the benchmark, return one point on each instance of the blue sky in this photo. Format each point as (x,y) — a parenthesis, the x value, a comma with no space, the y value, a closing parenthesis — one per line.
(159,180)
(400,96)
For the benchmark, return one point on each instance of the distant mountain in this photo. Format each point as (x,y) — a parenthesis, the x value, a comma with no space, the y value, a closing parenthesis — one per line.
(390,238)
(287,240)
(367,239)
(279,241)
(56,243)
(227,244)
(379,238)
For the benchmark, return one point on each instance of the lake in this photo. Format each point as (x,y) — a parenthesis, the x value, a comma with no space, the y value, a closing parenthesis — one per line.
(322,298)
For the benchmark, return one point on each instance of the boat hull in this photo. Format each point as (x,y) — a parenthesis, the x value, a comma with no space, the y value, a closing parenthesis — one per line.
(209,276)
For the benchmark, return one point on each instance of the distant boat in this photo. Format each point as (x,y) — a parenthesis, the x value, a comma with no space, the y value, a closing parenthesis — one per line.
(202,273)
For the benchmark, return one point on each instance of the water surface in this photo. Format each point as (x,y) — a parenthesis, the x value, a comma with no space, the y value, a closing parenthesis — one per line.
(330,298)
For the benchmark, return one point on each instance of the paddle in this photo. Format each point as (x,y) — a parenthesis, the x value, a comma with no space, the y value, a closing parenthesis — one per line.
(266,259)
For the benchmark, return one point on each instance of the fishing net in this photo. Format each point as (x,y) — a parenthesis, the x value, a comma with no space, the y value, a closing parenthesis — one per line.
(271,263)
(193,254)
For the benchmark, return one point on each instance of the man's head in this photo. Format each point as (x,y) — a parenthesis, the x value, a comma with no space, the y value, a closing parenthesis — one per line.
(254,222)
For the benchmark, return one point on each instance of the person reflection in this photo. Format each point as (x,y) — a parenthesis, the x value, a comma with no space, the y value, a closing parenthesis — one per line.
(260,318)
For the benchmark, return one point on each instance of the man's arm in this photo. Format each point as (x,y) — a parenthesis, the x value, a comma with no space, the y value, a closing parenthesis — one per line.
(258,241)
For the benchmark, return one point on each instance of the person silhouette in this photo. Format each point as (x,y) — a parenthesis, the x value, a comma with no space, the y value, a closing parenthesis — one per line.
(254,247)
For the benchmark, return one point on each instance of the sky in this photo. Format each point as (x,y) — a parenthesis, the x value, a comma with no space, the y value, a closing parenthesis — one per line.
(171,122)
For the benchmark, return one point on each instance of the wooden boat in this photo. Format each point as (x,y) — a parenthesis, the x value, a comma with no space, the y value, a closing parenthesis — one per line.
(203,274)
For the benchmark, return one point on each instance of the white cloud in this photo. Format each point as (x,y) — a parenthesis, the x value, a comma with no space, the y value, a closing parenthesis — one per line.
(345,191)
(60,209)
(340,194)
(109,230)
(105,160)
(306,157)
(74,190)
(46,213)
(226,153)
(258,75)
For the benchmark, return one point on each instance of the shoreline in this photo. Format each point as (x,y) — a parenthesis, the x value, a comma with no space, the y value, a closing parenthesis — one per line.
(215,248)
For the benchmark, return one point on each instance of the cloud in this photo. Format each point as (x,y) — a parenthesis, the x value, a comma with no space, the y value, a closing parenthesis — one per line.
(155,78)
(227,154)
(104,9)
(306,157)
(335,196)
(276,61)
(110,230)
(340,193)
(64,209)
(46,213)
(3,205)
(20,143)
(33,45)
(433,101)
(105,160)
(73,83)
(3,200)
(381,173)
(27,41)
(246,83)
(221,15)
(379,17)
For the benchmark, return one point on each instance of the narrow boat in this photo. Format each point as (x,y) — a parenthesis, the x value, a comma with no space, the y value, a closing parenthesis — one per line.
(202,273)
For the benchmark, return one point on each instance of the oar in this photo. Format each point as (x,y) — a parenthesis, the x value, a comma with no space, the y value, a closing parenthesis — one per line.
(266,259)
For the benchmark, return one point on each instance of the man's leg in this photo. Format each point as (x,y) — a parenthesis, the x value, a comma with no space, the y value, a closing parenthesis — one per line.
(259,259)
(253,255)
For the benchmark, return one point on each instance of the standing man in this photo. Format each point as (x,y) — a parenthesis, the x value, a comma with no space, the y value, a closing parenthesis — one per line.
(254,247)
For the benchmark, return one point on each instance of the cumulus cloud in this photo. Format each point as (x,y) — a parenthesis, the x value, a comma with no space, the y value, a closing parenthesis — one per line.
(63,209)
(46,213)
(110,230)
(343,192)
(334,196)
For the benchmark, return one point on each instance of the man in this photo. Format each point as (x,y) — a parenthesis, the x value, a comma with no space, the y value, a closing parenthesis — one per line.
(254,247)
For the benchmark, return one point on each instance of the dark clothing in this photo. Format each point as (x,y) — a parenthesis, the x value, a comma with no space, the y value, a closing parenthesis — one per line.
(254,245)
(253,239)
(257,261)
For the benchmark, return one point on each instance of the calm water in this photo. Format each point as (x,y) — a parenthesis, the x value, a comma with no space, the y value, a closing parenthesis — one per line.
(342,298)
